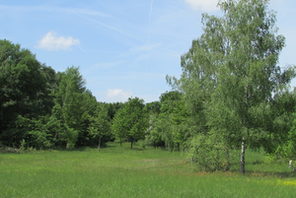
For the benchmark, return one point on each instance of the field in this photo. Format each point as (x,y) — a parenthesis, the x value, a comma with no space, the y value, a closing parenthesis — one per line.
(120,172)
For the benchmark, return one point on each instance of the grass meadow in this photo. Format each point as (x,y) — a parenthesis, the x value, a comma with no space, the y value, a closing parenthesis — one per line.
(121,172)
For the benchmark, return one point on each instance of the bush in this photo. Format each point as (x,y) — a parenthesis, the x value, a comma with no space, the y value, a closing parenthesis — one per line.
(288,149)
(71,137)
(210,152)
(38,139)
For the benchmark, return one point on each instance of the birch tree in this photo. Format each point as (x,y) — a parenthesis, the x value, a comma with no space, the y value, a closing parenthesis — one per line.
(231,72)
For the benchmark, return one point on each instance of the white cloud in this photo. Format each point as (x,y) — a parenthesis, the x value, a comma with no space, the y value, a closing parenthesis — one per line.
(118,95)
(53,42)
(204,5)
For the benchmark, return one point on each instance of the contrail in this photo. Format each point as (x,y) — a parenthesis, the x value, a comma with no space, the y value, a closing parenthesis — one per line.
(149,19)
(109,27)
(150,12)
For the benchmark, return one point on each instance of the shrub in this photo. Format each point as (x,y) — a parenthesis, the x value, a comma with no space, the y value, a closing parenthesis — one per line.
(210,152)
(38,139)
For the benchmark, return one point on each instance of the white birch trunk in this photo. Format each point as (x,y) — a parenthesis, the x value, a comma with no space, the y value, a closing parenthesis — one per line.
(242,157)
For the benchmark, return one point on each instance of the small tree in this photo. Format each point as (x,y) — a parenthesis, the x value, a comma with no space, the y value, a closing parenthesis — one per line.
(69,104)
(99,126)
(288,148)
(130,122)
(36,134)
(210,152)
(120,125)
(169,127)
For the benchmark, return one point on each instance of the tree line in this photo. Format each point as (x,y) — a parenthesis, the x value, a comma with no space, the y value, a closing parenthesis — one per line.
(232,94)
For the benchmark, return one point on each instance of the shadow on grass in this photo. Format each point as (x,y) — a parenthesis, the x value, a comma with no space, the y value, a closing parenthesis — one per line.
(257,162)
(271,174)
(259,171)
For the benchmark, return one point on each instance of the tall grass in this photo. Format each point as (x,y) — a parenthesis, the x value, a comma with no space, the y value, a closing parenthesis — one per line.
(120,172)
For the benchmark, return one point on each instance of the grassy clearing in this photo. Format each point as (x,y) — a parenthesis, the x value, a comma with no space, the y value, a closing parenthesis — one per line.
(121,172)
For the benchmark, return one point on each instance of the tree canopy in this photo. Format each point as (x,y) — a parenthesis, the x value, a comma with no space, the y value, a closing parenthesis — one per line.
(231,73)
(130,122)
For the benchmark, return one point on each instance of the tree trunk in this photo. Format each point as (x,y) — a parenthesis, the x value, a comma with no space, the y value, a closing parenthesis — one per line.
(242,157)
(99,143)
(132,142)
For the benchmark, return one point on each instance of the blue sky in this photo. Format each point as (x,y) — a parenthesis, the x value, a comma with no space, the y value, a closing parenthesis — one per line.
(124,48)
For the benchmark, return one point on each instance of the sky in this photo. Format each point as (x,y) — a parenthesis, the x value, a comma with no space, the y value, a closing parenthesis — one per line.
(124,48)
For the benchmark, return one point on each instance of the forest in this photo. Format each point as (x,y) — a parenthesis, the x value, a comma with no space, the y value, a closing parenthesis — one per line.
(232,96)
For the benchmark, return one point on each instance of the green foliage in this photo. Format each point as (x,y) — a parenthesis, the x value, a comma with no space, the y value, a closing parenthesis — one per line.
(25,90)
(288,148)
(70,136)
(282,122)
(63,120)
(153,107)
(69,97)
(231,75)
(120,126)
(35,132)
(113,108)
(210,152)
(130,122)
(88,108)
(73,104)
(154,135)
(169,127)
(38,139)
(100,128)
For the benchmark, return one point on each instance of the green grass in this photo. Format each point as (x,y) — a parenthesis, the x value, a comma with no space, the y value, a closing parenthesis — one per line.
(121,172)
